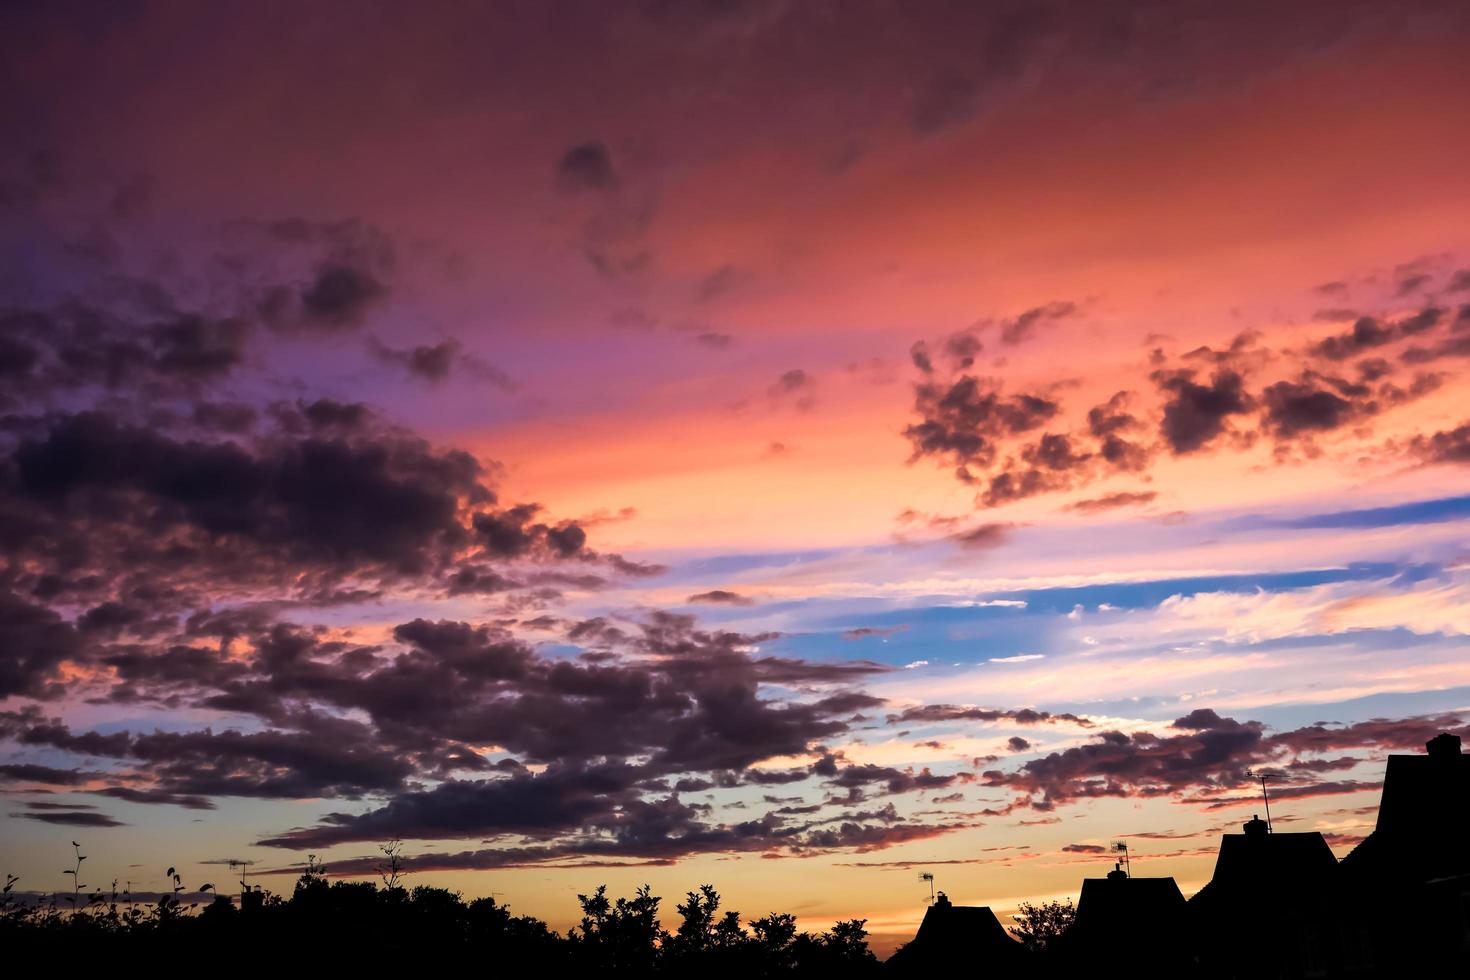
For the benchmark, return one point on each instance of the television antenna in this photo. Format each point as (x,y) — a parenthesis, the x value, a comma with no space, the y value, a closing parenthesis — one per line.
(929,877)
(1261,775)
(243,867)
(1121,847)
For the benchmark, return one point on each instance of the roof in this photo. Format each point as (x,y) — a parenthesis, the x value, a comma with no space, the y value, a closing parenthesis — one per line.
(1258,869)
(959,934)
(1420,831)
(1117,905)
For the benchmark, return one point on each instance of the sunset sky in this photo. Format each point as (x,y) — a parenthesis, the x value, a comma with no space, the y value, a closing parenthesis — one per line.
(785,445)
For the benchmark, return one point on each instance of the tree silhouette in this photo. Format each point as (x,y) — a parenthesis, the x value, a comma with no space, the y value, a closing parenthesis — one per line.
(1037,925)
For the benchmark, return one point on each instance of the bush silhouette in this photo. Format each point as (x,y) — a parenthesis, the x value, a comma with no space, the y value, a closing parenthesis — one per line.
(373,924)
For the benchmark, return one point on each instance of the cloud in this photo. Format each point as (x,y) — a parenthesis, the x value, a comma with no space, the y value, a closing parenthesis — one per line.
(587,167)
(346,721)
(720,597)
(36,643)
(964,421)
(1028,324)
(714,340)
(935,713)
(1446,446)
(795,386)
(983,536)
(560,799)
(862,632)
(339,295)
(720,282)
(435,362)
(81,819)
(1205,398)
(1293,408)
(44,352)
(1113,501)
(1369,332)
(1195,414)
(1206,763)
(1006,43)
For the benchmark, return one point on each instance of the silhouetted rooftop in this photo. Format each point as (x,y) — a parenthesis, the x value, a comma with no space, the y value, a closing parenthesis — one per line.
(1118,906)
(1256,867)
(1422,818)
(959,936)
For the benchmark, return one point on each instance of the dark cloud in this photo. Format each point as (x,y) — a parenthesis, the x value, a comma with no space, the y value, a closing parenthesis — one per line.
(43,353)
(435,362)
(1113,501)
(1207,763)
(720,282)
(587,167)
(984,536)
(1369,332)
(325,758)
(686,701)
(1005,42)
(541,805)
(934,713)
(1293,408)
(1446,446)
(1246,395)
(1413,284)
(714,339)
(34,644)
(339,295)
(26,772)
(348,500)
(964,422)
(1051,463)
(721,597)
(988,437)
(80,819)
(795,386)
(323,495)
(1195,414)
(52,805)
(1025,326)
(862,632)
(155,796)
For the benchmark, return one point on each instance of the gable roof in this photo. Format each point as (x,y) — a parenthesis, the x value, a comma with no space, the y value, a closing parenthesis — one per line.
(958,934)
(1257,869)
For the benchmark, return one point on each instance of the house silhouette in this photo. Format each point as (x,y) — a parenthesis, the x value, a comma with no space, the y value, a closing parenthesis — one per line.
(956,939)
(1271,909)
(1138,924)
(1279,905)
(1413,870)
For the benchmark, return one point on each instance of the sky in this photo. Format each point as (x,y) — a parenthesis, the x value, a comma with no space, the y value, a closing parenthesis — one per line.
(790,446)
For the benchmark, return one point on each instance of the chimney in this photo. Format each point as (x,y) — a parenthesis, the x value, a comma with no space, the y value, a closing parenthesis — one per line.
(1444,747)
(1255,828)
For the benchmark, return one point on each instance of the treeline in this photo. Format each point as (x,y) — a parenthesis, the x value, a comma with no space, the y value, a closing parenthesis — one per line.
(364,923)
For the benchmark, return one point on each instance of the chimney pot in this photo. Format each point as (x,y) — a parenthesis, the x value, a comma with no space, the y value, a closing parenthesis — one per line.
(1443,746)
